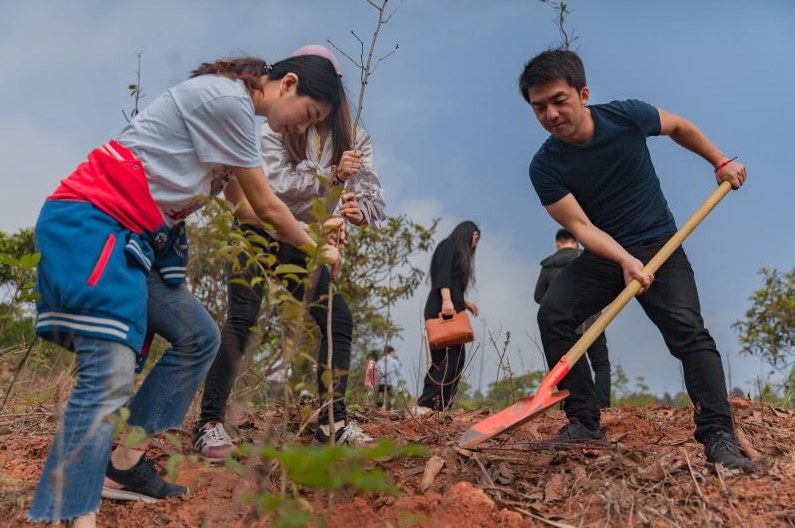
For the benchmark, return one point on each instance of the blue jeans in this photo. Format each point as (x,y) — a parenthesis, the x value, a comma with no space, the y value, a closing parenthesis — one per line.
(71,481)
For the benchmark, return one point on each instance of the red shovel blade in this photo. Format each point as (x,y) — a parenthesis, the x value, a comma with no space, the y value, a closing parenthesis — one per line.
(509,419)
(520,412)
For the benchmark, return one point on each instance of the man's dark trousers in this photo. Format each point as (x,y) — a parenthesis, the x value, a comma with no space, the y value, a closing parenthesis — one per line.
(600,364)
(589,284)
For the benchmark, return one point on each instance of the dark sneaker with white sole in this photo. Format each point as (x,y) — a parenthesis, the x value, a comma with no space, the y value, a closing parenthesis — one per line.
(140,483)
(576,433)
(721,448)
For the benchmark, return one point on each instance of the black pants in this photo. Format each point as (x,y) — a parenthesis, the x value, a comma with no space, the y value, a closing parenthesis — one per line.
(441,381)
(588,284)
(242,314)
(600,364)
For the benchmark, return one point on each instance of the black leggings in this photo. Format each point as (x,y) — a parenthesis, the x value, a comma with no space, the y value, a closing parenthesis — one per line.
(242,314)
(441,381)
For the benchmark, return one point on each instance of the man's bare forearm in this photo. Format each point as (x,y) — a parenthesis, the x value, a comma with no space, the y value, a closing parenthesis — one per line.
(688,135)
(598,242)
(695,141)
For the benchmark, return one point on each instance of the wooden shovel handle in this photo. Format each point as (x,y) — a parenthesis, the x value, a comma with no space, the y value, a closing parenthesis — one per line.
(596,329)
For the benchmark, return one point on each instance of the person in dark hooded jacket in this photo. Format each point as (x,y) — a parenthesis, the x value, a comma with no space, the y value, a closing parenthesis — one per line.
(567,249)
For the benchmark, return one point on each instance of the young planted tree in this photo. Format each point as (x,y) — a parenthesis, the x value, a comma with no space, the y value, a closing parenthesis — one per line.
(562,11)
(366,69)
(136,90)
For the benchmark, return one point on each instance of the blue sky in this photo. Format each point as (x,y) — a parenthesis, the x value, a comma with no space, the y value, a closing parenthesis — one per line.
(452,136)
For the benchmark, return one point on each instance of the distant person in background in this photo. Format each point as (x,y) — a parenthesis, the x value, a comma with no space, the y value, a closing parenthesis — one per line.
(388,375)
(566,250)
(452,272)
(371,376)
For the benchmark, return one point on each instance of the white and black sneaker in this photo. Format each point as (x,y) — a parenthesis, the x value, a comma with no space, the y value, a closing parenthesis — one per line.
(212,442)
(139,483)
(419,410)
(348,434)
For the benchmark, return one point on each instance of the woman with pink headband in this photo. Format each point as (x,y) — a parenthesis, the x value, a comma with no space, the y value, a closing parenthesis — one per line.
(293,162)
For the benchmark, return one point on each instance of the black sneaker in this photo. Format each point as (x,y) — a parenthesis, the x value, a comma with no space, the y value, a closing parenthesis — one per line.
(721,448)
(140,483)
(576,433)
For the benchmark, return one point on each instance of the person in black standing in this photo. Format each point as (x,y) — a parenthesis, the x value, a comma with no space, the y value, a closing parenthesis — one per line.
(452,272)
(566,250)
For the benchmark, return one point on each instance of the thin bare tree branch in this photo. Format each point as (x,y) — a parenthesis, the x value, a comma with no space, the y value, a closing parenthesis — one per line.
(362,69)
(344,54)
(384,57)
(393,11)
(367,70)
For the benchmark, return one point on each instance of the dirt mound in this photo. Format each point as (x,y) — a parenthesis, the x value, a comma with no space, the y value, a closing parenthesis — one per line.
(652,473)
(463,505)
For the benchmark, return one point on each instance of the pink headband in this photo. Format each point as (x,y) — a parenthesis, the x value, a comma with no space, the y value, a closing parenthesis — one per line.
(320,51)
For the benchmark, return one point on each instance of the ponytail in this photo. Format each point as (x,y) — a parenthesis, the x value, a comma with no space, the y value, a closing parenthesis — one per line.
(317,77)
(248,69)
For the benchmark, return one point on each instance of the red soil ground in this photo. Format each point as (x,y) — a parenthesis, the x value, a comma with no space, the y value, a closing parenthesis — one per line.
(652,474)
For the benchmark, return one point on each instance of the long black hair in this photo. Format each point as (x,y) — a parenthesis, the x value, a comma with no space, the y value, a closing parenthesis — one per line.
(462,238)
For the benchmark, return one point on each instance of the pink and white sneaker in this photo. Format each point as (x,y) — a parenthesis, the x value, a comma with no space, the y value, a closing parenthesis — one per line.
(213,442)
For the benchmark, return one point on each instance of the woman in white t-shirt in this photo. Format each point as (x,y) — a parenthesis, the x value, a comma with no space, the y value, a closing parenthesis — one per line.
(113,257)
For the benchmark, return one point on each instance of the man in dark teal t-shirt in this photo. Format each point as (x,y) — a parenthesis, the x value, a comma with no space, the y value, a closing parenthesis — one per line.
(595,177)
(611,174)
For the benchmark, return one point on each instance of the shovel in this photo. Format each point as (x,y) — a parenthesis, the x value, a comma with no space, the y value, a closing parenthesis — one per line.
(528,408)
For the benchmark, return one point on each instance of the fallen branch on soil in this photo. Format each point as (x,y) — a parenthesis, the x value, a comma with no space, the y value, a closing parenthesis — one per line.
(745,445)
(543,520)
(432,468)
